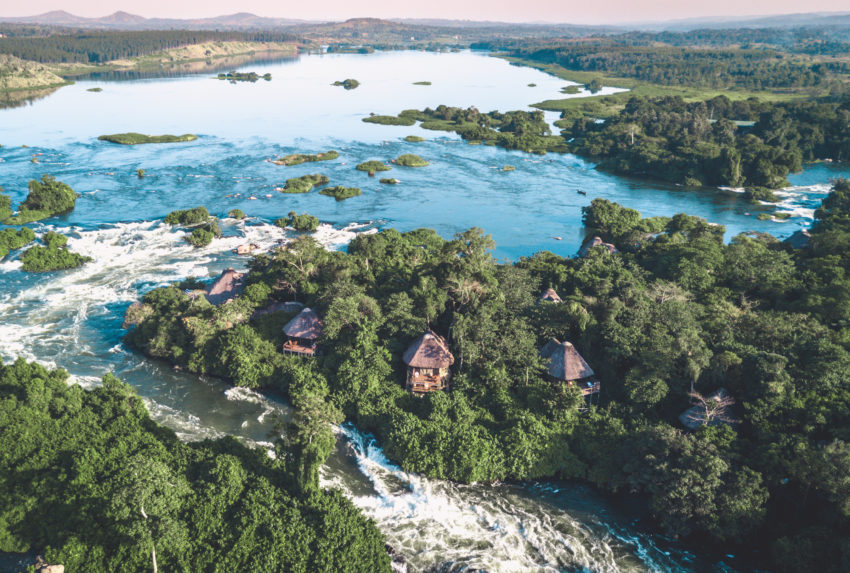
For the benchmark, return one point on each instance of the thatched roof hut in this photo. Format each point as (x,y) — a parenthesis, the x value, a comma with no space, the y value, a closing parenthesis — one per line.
(549,296)
(595,242)
(429,351)
(225,287)
(565,363)
(306,325)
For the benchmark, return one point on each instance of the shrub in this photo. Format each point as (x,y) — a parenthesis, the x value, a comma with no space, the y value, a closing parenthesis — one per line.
(339,192)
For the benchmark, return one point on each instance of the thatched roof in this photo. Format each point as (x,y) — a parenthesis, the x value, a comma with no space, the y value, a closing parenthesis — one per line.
(306,325)
(429,351)
(565,363)
(550,296)
(225,287)
(595,242)
(800,239)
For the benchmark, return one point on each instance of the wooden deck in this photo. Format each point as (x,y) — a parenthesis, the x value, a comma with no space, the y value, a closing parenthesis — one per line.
(422,384)
(292,347)
(588,388)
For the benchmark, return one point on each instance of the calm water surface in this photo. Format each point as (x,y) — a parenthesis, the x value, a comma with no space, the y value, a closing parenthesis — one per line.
(73,318)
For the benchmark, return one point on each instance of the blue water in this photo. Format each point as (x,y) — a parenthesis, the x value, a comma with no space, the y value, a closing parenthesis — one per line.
(73,318)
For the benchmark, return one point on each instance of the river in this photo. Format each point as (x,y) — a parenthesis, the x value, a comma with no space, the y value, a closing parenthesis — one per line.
(73,319)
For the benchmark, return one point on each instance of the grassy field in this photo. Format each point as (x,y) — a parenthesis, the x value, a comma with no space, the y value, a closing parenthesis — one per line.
(607,105)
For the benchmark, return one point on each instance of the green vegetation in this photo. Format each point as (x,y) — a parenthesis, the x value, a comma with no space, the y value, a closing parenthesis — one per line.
(139,138)
(424,83)
(302,222)
(527,131)
(299,158)
(46,198)
(53,256)
(96,90)
(348,84)
(11,240)
(372,166)
(781,216)
(672,317)
(305,183)
(340,193)
(140,173)
(389,180)
(5,206)
(508,168)
(200,237)
(759,194)
(571,89)
(91,482)
(414,139)
(235,76)
(593,86)
(236,214)
(187,217)
(700,143)
(532,85)
(390,120)
(410,160)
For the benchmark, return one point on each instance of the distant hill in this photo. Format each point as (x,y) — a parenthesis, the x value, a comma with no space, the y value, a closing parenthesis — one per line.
(803,20)
(126,21)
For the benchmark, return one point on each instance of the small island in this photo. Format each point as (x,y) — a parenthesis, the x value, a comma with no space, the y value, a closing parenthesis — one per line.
(341,193)
(299,158)
(95,90)
(236,214)
(235,76)
(305,183)
(302,222)
(390,120)
(373,166)
(348,84)
(414,139)
(46,198)
(422,83)
(389,181)
(410,160)
(53,256)
(132,138)
(206,227)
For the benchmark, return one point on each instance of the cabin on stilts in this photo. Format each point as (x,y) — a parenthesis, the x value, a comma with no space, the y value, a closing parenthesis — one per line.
(428,360)
(303,333)
(567,365)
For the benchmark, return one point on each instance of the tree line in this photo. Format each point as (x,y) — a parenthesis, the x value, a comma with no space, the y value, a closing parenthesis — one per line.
(104,46)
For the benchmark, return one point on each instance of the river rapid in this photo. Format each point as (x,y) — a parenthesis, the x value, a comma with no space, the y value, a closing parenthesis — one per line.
(73,318)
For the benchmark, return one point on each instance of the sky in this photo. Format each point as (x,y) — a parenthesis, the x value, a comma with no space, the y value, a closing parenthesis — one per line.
(571,11)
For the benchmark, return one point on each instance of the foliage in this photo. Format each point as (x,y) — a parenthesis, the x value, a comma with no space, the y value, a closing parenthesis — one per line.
(235,76)
(410,160)
(53,256)
(372,166)
(348,84)
(5,207)
(305,183)
(236,214)
(299,158)
(389,180)
(90,481)
(414,139)
(46,198)
(340,193)
(11,240)
(133,138)
(302,222)
(200,237)
(194,216)
(389,120)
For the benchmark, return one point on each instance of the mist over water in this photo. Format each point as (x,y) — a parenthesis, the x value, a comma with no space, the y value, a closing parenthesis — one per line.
(73,318)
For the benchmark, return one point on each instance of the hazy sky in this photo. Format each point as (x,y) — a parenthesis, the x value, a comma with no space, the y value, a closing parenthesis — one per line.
(584,12)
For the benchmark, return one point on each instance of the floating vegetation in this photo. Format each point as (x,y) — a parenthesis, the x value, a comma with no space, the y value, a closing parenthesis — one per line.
(299,158)
(305,183)
(340,193)
(414,139)
(96,90)
(390,181)
(348,84)
(422,83)
(571,89)
(532,85)
(410,160)
(133,138)
(508,168)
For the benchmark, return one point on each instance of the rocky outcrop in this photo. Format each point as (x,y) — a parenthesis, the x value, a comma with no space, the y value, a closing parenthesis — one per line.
(595,242)
(42,566)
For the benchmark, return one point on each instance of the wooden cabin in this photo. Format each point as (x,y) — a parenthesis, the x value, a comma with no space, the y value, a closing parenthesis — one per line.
(549,296)
(428,360)
(303,333)
(226,287)
(567,365)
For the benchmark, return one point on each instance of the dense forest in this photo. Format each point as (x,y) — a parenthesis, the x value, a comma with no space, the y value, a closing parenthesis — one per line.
(94,47)
(88,480)
(669,319)
(700,143)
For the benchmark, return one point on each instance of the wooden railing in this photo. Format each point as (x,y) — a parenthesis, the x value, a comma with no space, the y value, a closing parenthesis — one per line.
(293,347)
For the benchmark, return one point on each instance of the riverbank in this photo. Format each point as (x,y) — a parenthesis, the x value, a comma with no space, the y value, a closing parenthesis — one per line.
(17,75)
